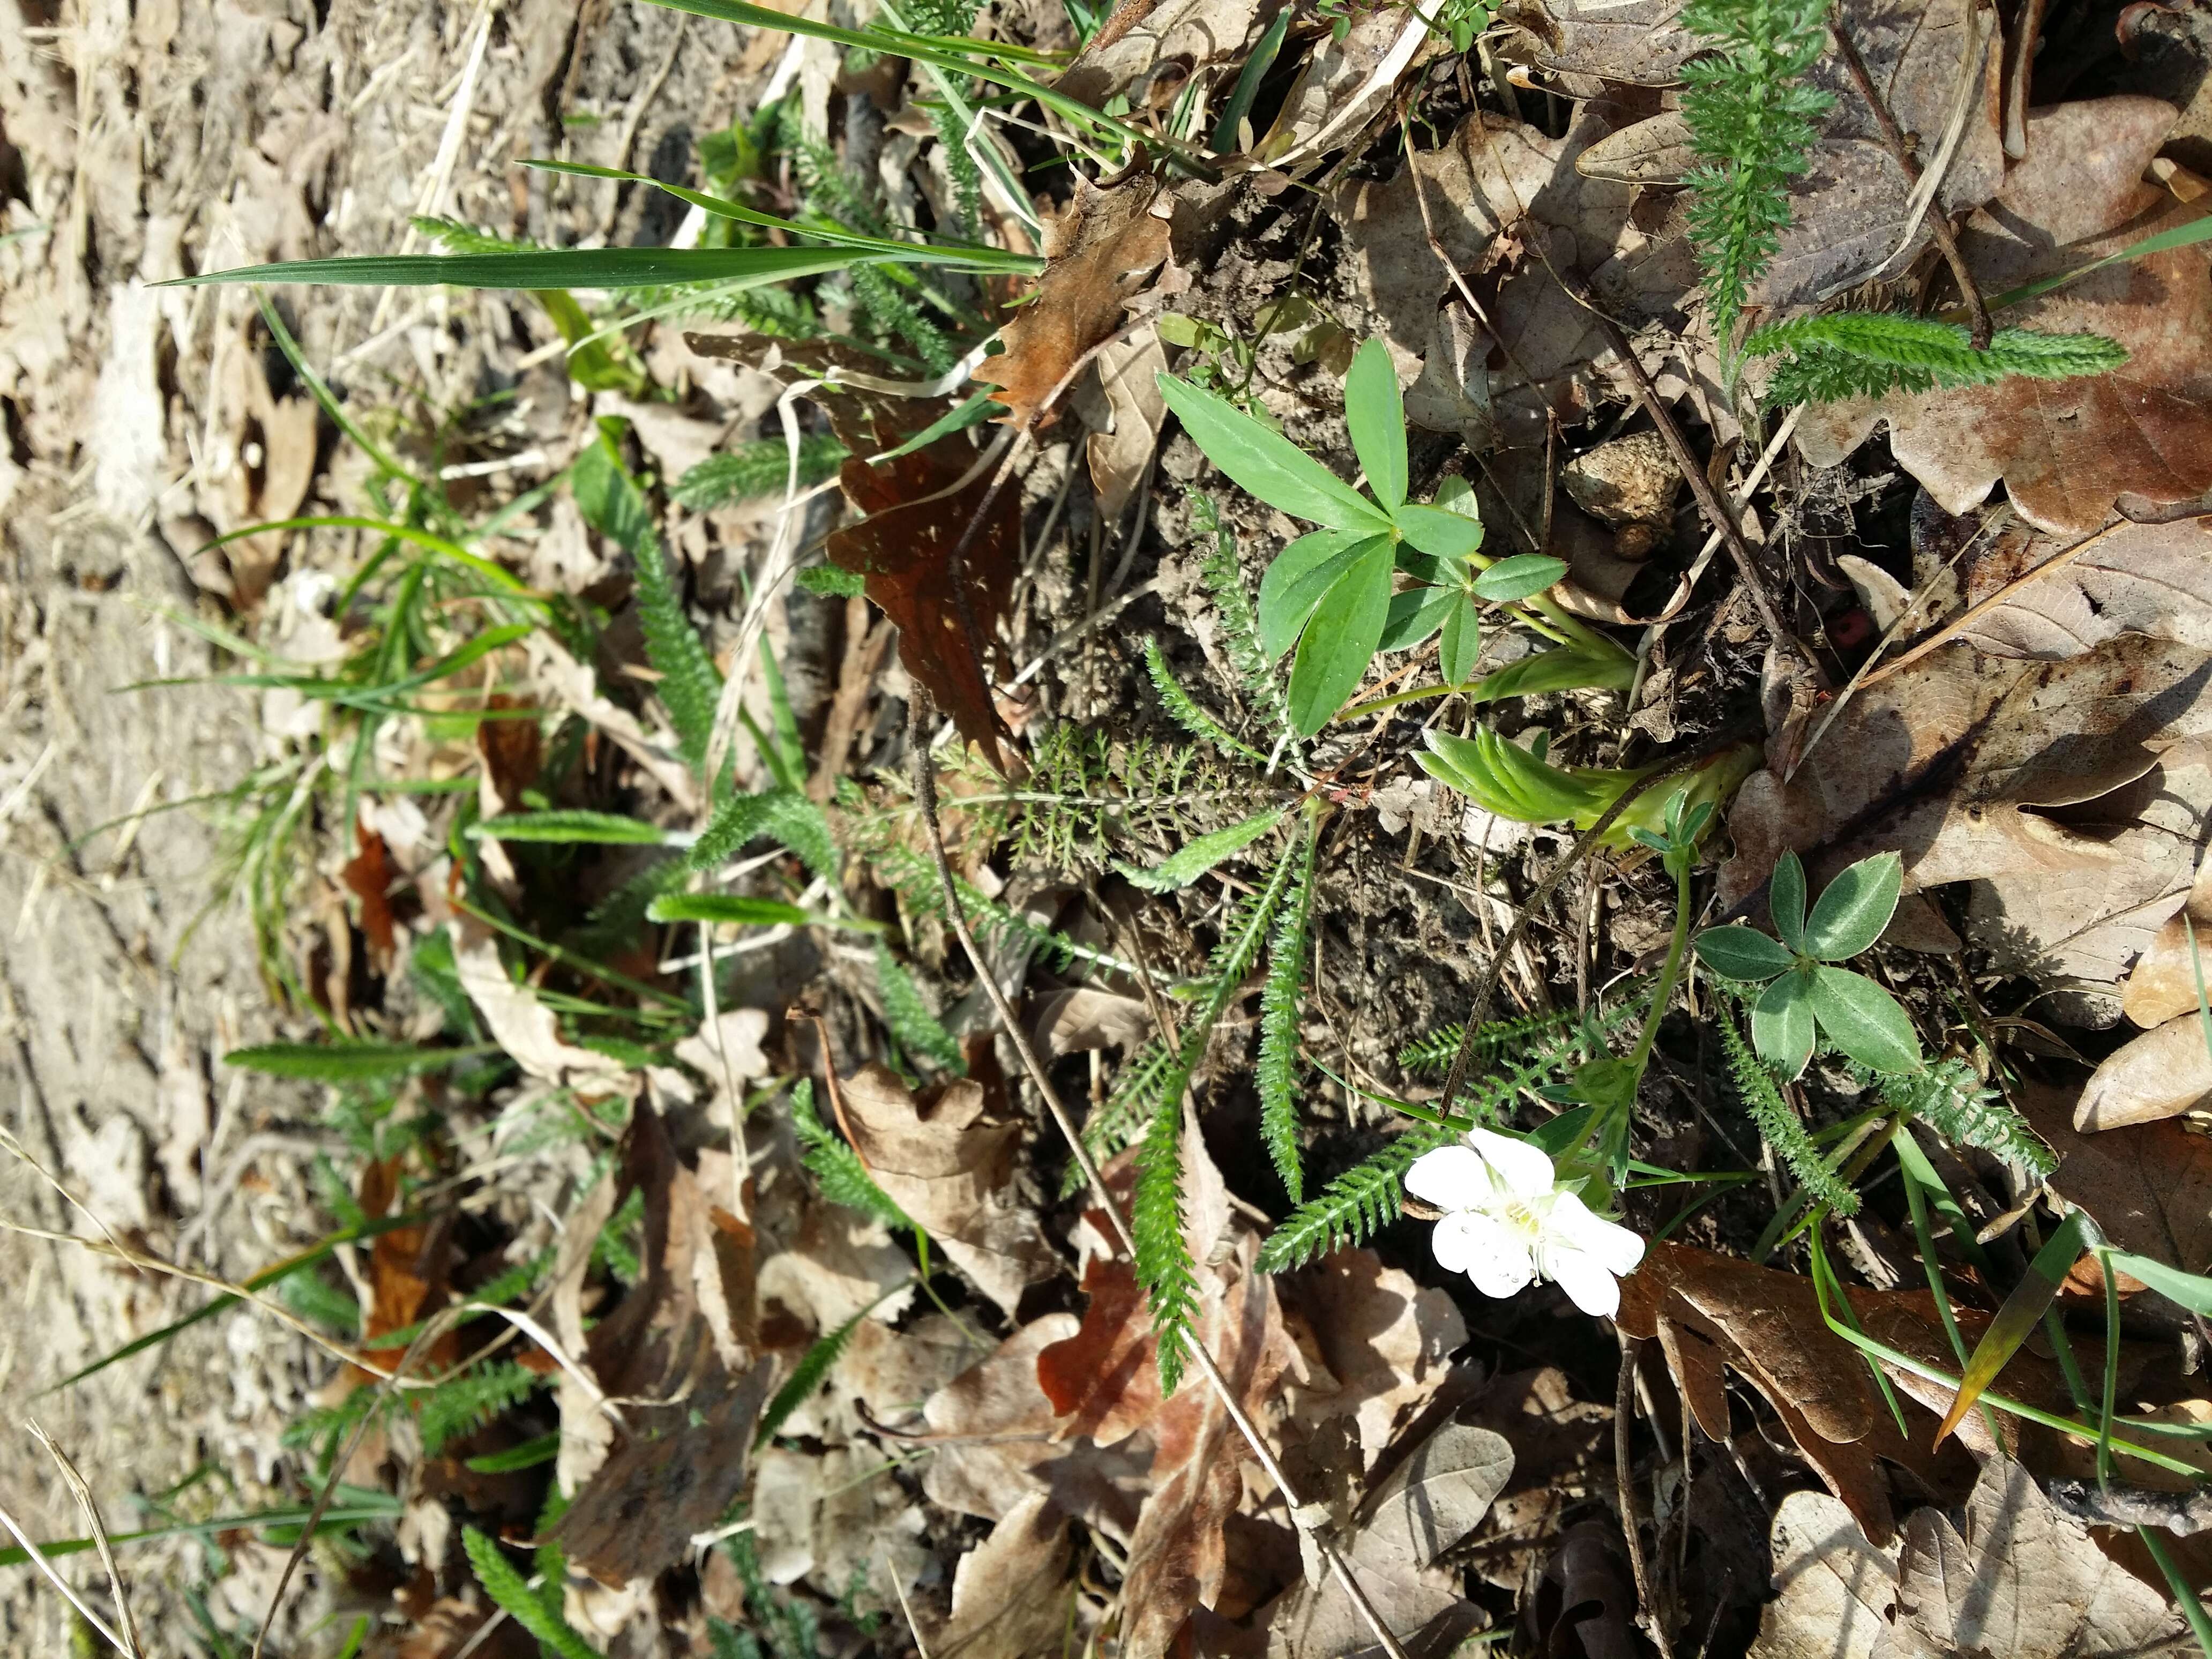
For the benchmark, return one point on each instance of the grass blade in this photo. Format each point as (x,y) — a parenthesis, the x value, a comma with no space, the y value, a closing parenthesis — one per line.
(2022,1313)
(349,1062)
(544,267)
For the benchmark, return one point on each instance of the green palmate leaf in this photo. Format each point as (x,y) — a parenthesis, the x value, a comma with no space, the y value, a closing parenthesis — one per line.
(349,1062)
(912,1020)
(735,910)
(2022,1313)
(1782,1023)
(1339,642)
(1460,641)
(1415,614)
(1299,579)
(1742,953)
(1438,532)
(548,268)
(612,504)
(503,1582)
(1376,419)
(568,828)
(1855,909)
(1519,577)
(1778,1126)
(1277,1074)
(1195,858)
(1265,463)
(1864,1021)
(1785,901)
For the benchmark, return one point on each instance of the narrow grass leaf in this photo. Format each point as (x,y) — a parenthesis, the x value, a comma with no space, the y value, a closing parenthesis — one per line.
(2021,1312)
(736,911)
(567,827)
(546,267)
(349,1062)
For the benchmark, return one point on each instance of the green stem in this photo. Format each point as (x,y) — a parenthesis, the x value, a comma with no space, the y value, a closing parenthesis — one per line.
(2183,1592)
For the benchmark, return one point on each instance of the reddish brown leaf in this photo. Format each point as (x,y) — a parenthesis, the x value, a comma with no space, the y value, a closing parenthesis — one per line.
(947,607)
(512,751)
(368,876)
(1102,250)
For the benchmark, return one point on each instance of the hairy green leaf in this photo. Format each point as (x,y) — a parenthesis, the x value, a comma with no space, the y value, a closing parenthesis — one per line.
(1854,908)
(569,827)
(1864,1021)
(1785,901)
(1778,1126)
(1181,868)
(1299,579)
(1438,532)
(1740,952)
(1782,1023)
(1520,577)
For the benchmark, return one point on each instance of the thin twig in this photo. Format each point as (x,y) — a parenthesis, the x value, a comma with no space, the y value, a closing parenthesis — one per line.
(38,1560)
(98,1527)
(1693,473)
(1631,1528)
(1966,618)
(925,789)
(1902,153)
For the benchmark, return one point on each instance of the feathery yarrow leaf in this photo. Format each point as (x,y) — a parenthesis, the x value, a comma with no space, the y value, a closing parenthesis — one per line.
(503,1582)
(465,1403)
(1866,354)
(1240,623)
(1778,1126)
(1356,1206)
(1753,125)
(1277,1074)
(1949,1096)
(1183,709)
(755,469)
(844,1180)
(1162,1254)
(913,1021)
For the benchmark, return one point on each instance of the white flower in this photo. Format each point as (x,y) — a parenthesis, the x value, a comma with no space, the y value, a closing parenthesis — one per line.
(1507,1224)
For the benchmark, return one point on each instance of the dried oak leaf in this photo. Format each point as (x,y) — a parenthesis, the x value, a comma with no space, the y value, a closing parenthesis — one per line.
(918,510)
(1382,1343)
(2152,578)
(947,1160)
(2162,1074)
(1100,251)
(2149,1185)
(2067,449)
(682,1335)
(1163,47)
(2072,793)
(1836,1594)
(1010,1593)
(1634,40)
(1709,1310)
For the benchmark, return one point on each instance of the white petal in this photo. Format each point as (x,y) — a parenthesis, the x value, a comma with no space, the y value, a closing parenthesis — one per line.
(1585,1280)
(1462,1238)
(1450,1177)
(1522,1169)
(1571,1226)
(1494,1255)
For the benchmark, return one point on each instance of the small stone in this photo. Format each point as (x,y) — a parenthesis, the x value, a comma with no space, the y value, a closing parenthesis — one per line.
(1630,480)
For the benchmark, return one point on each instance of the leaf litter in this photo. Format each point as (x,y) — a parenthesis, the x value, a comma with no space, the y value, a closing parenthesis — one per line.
(877,1374)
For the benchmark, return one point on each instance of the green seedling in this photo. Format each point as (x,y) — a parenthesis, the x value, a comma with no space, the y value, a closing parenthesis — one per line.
(1861,353)
(1331,598)
(1804,987)
(1522,785)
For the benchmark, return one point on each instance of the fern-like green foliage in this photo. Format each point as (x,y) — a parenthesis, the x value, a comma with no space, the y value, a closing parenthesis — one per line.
(1778,1126)
(914,878)
(465,1403)
(504,1583)
(1086,792)
(1186,713)
(1865,354)
(882,299)
(1163,1258)
(1127,1108)
(1541,1031)
(844,1180)
(806,1376)
(1240,623)
(1164,1263)
(784,816)
(612,504)
(792,1629)
(1353,1208)
(1752,123)
(1277,1074)
(914,1022)
(1950,1097)
(752,471)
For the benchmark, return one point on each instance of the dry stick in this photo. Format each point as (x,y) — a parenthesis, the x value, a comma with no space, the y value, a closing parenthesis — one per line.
(1479,1010)
(38,1560)
(82,1493)
(1902,154)
(1631,1528)
(1693,472)
(1951,630)
(925,791)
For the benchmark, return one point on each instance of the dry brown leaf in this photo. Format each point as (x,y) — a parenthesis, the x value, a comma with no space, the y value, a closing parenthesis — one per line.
(368,876)
(1100,250)
(1010,1593)
(1585,1603)
(948,619)
(1493,190)
(1174,40)
(681,1335)
(2067,450)
(1384,1341)
(1118,456)
(2024,1581)
(2072,793)
(522,1025)
(947,1160)
(1634,40)
(1562,1452)
(1439,1493)
(2164,1072)
(2149,1185)
(2153,579)
(271,444)
(1344,85)
(1084,1017)
(1837,1593)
